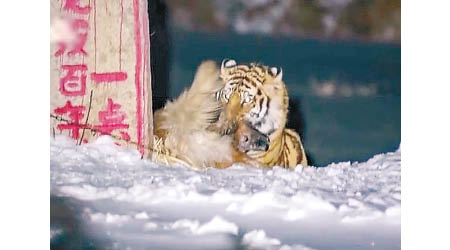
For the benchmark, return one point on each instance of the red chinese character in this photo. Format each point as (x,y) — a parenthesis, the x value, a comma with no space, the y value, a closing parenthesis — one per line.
(75,113)
(62,48)
(73,84)
(78,47)
(108,77)
(111,119)
(125,136)
(74,5)
(80,27)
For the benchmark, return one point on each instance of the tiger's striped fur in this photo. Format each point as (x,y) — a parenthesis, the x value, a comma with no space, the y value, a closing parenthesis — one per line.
(256,95)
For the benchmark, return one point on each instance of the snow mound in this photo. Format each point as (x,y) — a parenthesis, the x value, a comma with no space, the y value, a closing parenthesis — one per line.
(258,239)
(124,202)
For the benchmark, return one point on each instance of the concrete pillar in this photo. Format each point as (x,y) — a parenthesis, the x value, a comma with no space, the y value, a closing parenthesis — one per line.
(100,71)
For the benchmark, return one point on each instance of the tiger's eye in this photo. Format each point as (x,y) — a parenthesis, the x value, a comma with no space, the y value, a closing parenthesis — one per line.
(246,97)
(227,93)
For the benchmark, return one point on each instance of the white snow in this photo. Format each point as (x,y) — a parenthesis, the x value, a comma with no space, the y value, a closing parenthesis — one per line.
(142,216)
(126,202)
(258,239)
(216,225)
(55,232)
(150,226)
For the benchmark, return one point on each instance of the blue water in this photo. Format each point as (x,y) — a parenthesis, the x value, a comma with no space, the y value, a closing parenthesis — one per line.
(333,128)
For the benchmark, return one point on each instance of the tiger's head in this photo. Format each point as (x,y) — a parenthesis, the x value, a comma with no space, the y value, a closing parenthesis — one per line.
(255,94)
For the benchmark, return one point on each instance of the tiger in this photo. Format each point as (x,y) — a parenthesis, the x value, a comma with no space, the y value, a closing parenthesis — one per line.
(181,134)
(254,95)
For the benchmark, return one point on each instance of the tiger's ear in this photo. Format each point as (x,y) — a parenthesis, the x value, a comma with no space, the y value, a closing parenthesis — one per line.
(277,73)
(227,63)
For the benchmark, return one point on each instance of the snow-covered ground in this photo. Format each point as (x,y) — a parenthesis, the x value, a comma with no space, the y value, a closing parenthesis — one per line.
(106,197)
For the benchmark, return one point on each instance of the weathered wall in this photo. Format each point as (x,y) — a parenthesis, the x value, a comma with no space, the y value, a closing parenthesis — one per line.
(100,71)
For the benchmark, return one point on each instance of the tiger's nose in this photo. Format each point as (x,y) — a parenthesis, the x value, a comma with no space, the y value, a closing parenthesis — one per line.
(233,105)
